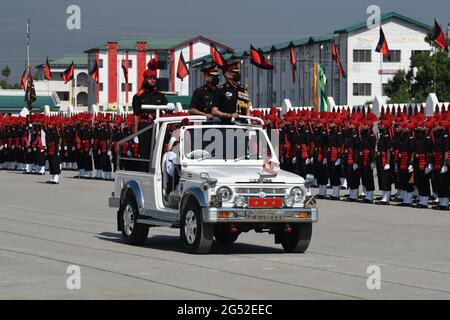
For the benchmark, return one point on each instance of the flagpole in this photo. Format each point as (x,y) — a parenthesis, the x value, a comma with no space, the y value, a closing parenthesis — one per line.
(28,61)
(118,85)
(126,88)
(435,67)
(381,74)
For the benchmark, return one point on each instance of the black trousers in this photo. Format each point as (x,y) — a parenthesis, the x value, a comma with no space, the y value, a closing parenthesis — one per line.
(404,179)
(422,182)
(442,182)
(385,180)
(97,160)
(87,161)
(105,162)
(79,159)
(54,164)
(321,173)
(335,173)
(40,158)
(367,179)
(352,176)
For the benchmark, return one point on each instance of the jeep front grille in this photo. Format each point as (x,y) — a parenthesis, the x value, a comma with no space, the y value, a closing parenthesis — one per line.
(270,192)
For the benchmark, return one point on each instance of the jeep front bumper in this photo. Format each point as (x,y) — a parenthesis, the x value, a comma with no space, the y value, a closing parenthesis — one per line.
(245,215)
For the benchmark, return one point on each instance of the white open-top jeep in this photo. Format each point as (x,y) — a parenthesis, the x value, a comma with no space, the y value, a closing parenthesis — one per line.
(225,182)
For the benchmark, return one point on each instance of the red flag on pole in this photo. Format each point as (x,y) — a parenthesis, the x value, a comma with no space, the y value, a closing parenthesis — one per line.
(94,73)
(293,64)
(23,81)
(258,59)
(47,72)
(182,70)
(68,74)
(218,59)
(125,70)
(337,58)
(439,37)
(382,46)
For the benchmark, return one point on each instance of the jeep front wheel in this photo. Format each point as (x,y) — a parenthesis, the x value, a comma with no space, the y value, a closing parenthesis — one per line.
(298,239)
(132,232)
(196,236)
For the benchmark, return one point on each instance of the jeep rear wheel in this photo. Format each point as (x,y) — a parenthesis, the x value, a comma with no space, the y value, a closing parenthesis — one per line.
(297,241)
(196,236)
(132,232)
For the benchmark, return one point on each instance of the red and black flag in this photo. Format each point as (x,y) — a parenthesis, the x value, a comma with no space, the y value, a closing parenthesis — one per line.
(258,59)
(23,81)
(30,92)
(218,59)
(47,72)
(382,46)
(337,58)
(182,70)
(68,74)
(293,64)
(94,73)
(439,37)
(125,69)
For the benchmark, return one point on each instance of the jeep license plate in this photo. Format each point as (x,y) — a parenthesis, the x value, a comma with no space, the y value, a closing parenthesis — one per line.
(266,215)
(265,203)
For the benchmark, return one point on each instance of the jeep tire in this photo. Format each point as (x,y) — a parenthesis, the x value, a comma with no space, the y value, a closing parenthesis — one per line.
(195,235)
(297,241)
(132,232)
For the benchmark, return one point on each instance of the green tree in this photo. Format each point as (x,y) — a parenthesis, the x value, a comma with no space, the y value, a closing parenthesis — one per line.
(398,89)
(415,85)
(6,71)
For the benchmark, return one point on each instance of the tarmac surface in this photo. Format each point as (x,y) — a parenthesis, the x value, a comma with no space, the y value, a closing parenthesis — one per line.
(44,229)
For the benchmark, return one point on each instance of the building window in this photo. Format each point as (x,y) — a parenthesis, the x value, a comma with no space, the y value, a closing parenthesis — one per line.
(100,63)
(63,96)
(362,89)
(130,63)
(414,52)
(396,56)
(130,87)
(100,86)
(362,56)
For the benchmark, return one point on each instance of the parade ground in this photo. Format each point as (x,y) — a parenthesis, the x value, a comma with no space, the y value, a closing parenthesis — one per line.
(45,229)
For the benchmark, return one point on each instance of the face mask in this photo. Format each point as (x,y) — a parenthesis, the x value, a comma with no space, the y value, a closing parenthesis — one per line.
(215,81)
(237,77)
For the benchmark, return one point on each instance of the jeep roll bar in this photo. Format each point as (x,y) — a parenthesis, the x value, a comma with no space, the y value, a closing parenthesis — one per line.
(249,119)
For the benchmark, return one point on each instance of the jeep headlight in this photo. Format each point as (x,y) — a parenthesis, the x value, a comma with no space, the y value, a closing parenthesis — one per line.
(289,201)
(240,201)
(225,193)
(297,193)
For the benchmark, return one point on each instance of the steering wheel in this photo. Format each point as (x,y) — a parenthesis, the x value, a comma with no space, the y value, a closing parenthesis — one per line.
(198,154)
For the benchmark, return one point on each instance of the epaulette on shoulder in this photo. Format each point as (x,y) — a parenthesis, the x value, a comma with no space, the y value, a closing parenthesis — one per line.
(140,92)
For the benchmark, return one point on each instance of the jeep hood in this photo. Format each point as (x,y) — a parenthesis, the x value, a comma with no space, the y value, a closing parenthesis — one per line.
(243,174)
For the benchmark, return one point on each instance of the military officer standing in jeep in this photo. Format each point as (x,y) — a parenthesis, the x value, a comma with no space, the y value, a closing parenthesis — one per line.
(203,97)
(232,99)
(148,95)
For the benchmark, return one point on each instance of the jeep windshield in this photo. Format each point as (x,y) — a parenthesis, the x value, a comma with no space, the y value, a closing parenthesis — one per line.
(225,144)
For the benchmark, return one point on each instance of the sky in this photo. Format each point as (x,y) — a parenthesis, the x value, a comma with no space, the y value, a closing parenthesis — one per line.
(235,23)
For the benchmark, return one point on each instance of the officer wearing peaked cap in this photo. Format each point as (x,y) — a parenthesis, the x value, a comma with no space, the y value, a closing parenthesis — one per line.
(203,97)
(232,99)
(147,95)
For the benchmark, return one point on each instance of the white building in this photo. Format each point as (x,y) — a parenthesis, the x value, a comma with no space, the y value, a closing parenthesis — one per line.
(73,93)
(356,45)
(111,89)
